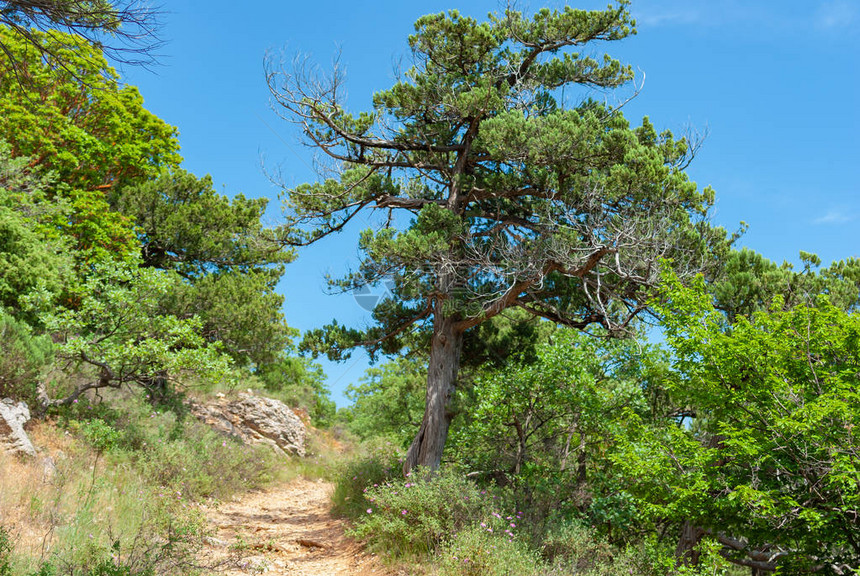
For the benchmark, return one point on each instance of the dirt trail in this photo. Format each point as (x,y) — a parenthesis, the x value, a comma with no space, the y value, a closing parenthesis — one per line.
(288,530)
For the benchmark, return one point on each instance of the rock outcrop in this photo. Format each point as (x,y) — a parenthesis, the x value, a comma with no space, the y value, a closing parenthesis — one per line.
(255,419)
(13,438)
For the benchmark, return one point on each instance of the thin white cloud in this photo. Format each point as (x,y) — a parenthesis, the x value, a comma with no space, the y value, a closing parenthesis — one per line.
(823,15)
(835,217)
(669,17)
(836,14)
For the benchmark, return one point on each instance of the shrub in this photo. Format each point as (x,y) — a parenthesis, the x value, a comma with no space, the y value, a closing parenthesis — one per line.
(180,455)
(379,464)
(418,514)
(477,552)
(22,356)
(575,546)
(206,464)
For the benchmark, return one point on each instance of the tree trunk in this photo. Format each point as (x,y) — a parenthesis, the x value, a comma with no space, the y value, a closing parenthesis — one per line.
(445,348)
(687,552)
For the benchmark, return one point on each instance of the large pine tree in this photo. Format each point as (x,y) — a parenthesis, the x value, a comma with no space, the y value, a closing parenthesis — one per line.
(524,192)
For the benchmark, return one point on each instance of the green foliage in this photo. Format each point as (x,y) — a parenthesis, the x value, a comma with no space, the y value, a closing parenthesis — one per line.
(184,458)
(475,552)
(770,459)
(23,355)
(388,401)
(379,464)
(238,309)
(5,552)
(513,336)
(184,225)
(31,256)
(98,433)
(416,515)
(231,264)
(120,332)
(66,109)
(97,234)
(747,282)
(546,427)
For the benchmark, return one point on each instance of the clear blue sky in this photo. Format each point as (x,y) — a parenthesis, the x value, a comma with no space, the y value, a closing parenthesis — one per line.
(776,86)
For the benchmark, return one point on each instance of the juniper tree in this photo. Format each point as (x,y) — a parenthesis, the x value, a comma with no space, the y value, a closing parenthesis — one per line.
(522,191)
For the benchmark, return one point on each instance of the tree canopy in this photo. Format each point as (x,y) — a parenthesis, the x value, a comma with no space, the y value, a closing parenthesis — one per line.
(69,112)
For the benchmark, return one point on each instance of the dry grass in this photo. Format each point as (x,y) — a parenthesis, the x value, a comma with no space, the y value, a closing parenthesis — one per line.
(67,506)
(31,495)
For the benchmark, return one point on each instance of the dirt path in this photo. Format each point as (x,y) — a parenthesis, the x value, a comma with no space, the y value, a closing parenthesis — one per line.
(287,530)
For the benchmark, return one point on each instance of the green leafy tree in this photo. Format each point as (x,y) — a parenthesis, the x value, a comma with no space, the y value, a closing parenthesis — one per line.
(769,467)
(520,197)
(68,112)
(119,335)
(34,253)
(184,225)
(23,355)
(230,262)
(547,426)
(388,401)
(748,282)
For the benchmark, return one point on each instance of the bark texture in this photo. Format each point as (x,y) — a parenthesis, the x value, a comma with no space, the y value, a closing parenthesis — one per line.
(426,448)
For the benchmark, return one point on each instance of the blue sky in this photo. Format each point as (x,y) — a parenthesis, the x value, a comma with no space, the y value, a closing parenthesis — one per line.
(774,85)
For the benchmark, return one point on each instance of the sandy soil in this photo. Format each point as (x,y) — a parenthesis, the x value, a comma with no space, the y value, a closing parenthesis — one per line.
(288,530)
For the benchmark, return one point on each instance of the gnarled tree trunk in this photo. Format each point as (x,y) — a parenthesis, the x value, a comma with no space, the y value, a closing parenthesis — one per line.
(445,348)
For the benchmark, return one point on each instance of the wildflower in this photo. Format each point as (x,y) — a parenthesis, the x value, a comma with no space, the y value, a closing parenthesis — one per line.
(370,510)
(403,512)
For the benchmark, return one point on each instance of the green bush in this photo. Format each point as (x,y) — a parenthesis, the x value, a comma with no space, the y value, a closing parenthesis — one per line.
(206,464)
(180,455)
(22,356)
(379,464)
(477,552)
(418,514)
